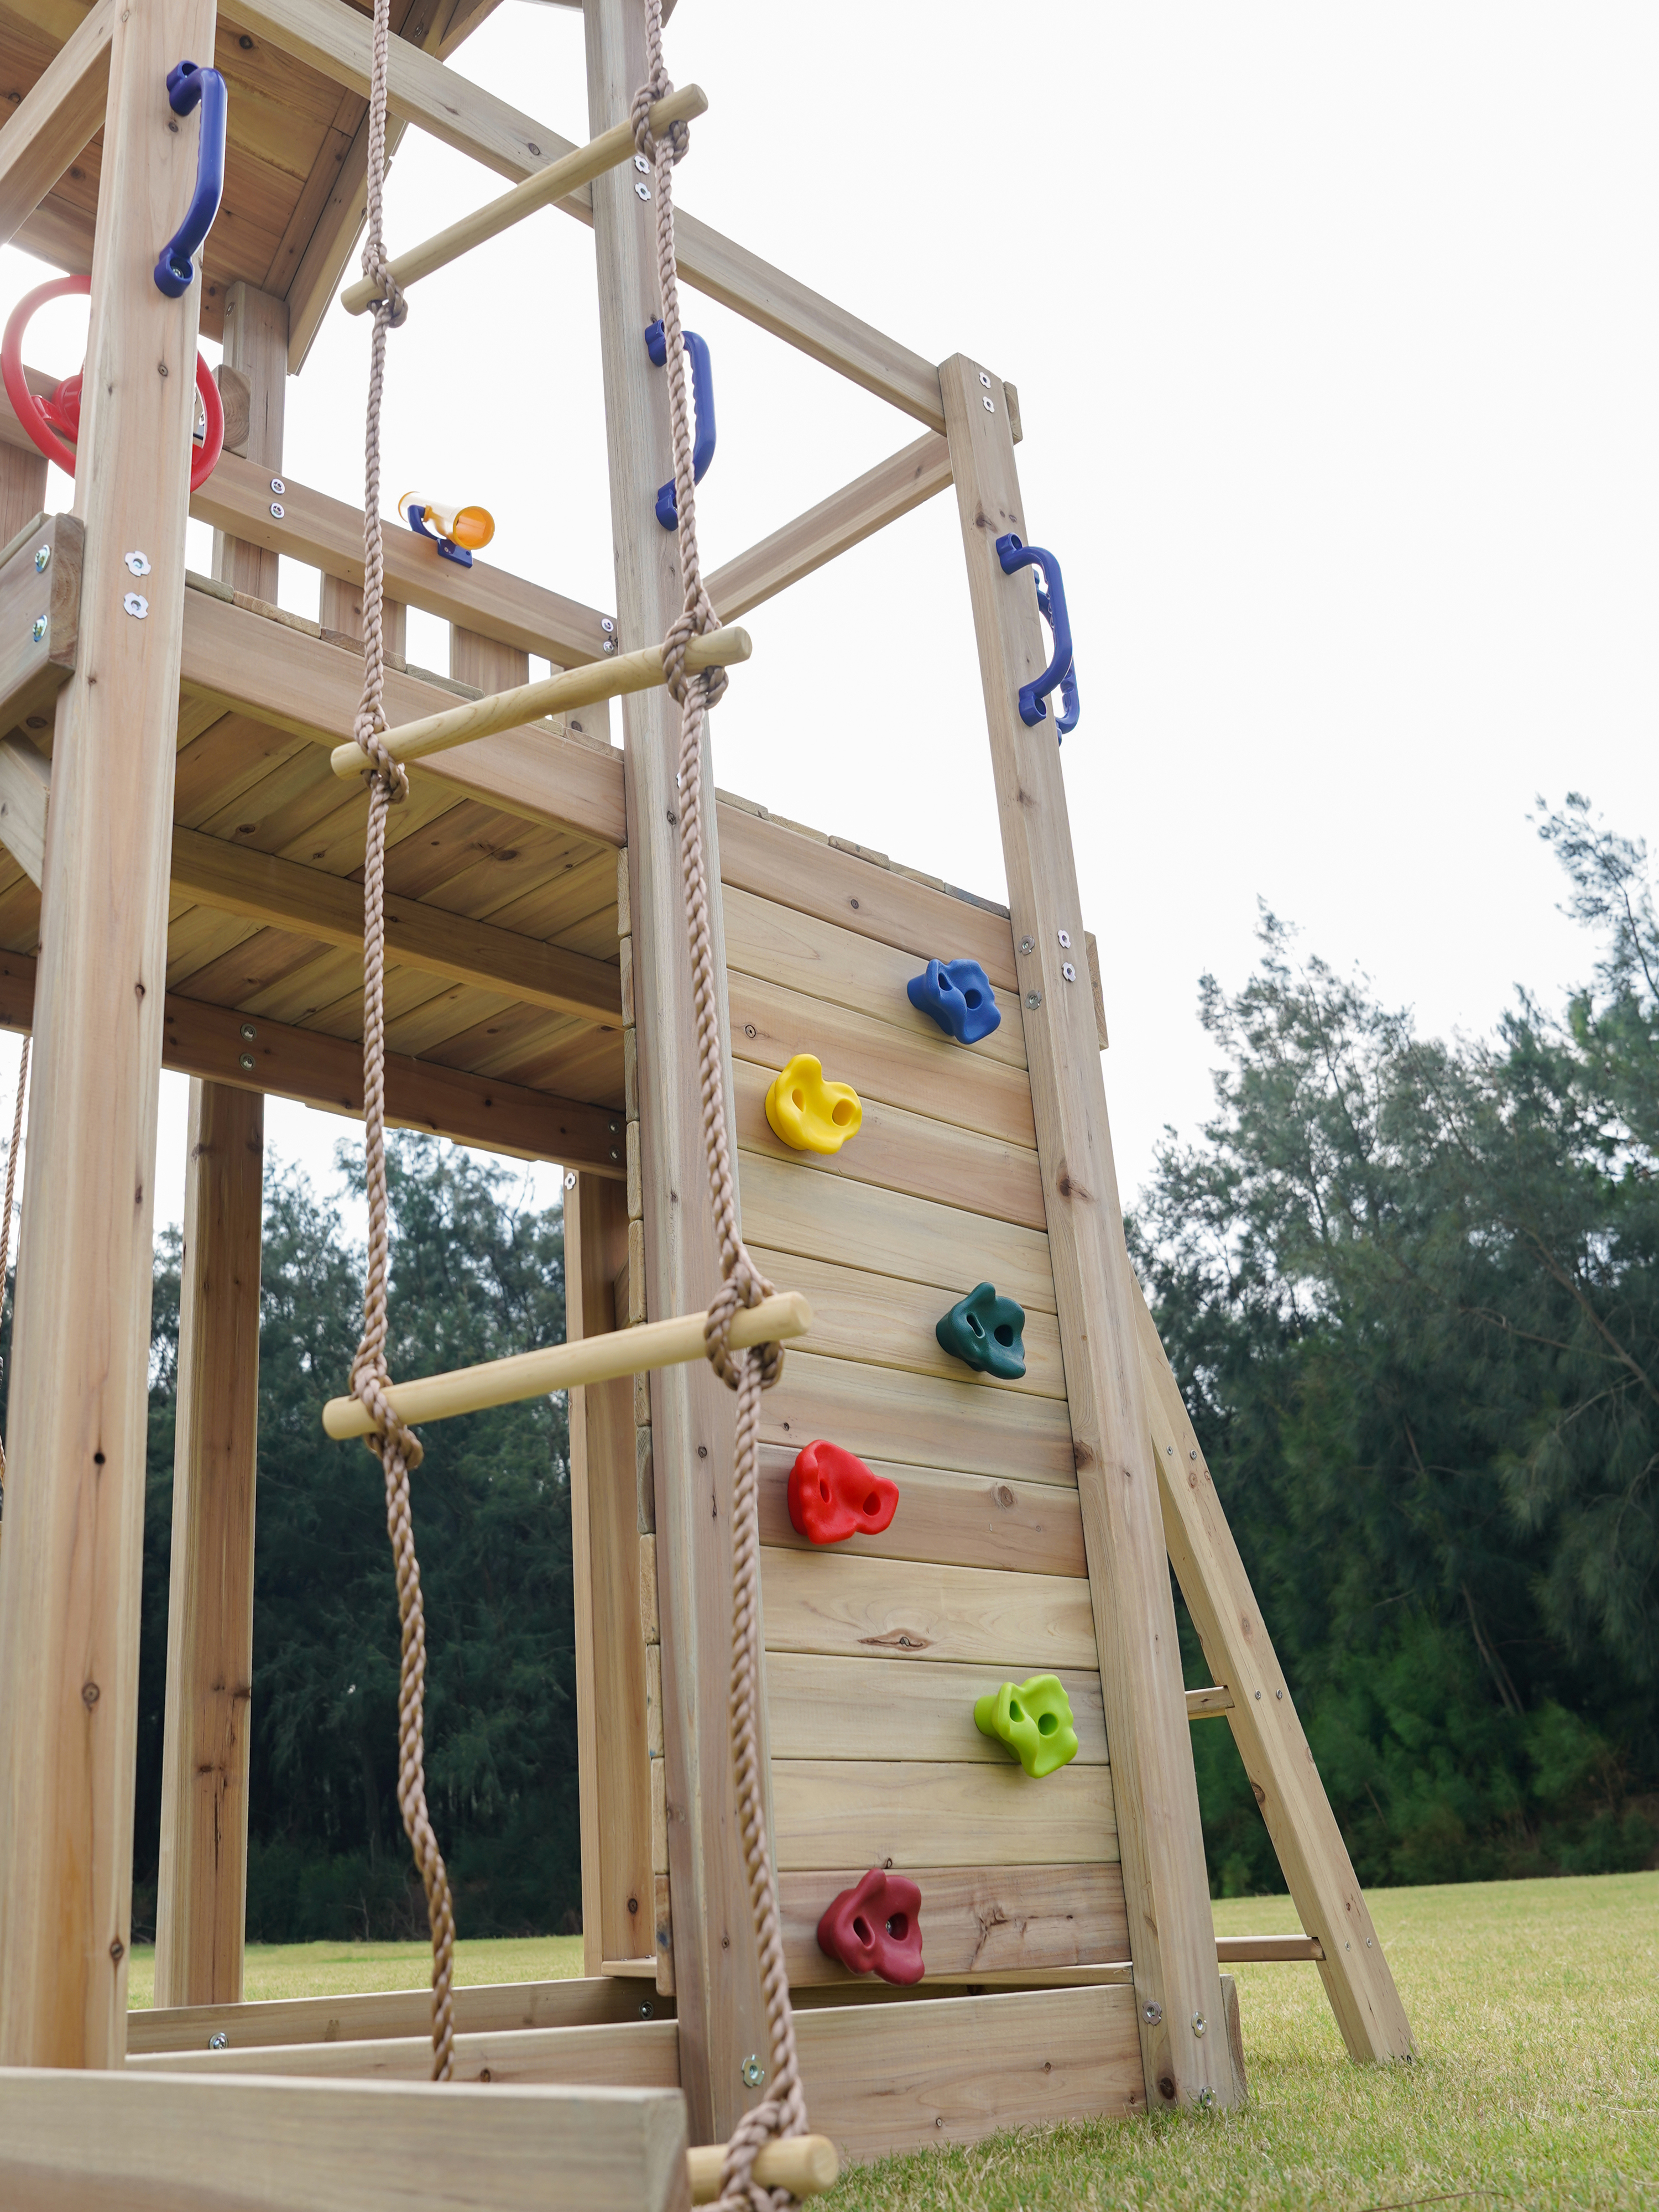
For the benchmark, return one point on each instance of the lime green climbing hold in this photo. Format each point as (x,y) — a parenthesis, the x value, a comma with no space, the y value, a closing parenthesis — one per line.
(1034,1719)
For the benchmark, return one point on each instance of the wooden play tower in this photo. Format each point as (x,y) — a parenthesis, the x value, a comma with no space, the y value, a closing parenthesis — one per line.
(178,889)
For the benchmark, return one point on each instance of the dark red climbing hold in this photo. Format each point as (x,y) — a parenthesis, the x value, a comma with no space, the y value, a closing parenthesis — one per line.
(832,1495)
(875,1928)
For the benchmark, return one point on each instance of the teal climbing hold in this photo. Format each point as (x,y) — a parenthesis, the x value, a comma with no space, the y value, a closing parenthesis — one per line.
(1034,1719)
(985,1330)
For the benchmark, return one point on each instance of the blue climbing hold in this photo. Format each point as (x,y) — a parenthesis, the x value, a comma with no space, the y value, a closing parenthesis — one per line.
(957,994)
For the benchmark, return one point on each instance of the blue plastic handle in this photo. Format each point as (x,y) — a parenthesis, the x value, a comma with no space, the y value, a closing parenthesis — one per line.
(415,515)
(703,394)
(1051,605)
(187,85)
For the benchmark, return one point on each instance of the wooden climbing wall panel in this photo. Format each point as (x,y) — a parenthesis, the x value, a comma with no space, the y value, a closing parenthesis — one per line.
(876,1649)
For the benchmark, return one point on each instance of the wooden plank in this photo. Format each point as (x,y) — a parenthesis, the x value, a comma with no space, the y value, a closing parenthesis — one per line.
(876,2085)
(299,684)
(825,961)
(340,615)
(857,1225)
(888,1322)
(926,1075)
(633,2054)
(775,861)
(838,1813)
(1312,1856)
(70,1566)
(898,1151)
(865,1608)
(484,662)
(39,618)
(906,1709)
(234,880)
(203,1883)
(893,488)
(975,1920)
(1267,1950)
(60,111)
(23,489)
(328,534)
(1203,1704)
(256,348)
(25,797)
(124,2142)
(490,2008)
(882,1412)
(952,1519)
(1171,1930)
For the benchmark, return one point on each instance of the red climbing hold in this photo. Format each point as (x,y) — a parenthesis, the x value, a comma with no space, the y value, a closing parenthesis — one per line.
(876,1928)
(832,1495)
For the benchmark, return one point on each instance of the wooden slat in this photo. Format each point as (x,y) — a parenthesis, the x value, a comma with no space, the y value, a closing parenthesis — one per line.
(867,1608)
(836,1813)
(856,1225)
(256,361)
(926,1075)
(634,2054)
(881,1412)
(846,518)
(25,797)
(951,1519)
(126,2143)
(298,683)
(906,1709)
(808,875)
(990,1920)
(55,118)
(780,945)
(1202,1704)
(876,2085)
(490,2008)
(1268,1950)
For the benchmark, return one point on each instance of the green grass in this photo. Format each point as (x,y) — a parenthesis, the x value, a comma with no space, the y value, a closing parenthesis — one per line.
(1535,2007)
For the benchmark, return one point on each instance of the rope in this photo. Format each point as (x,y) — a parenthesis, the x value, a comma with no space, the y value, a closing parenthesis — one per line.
(747,1372)
(11,1194)
(394,1445)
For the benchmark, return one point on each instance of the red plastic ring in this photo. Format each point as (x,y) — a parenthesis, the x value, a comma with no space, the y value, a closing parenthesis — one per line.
(32,416)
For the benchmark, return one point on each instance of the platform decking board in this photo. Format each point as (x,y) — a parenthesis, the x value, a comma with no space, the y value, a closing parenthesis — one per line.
(825,960)
(869,1608)
(591,1062)
(836,1813)
(234,754)
(892,1415)
(514,1035)
(930,1076)
(888,1322)
(855,1225)
(200,935)
(949,1518)
(989,1919)
(250,975)
(907,1709)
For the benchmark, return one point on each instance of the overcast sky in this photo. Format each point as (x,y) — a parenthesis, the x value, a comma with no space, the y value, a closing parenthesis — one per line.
(1334,332)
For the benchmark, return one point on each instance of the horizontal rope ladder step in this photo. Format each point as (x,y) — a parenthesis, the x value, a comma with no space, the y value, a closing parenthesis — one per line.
(553,695)
(604,1358)
(556,182)
(805,2166)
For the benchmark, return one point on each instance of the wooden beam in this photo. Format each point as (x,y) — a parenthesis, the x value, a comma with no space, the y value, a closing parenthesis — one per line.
(1171,1932)
(373,2015)
(332,37)
(132,2142)
(1312,1856)
(1267,1950)
(203,1884)
(70,1566)
(55,118)
(22,487)
(223,1046)
(846,518)
(280,676)
(286,896)
(40,617)
(25,797)
(623,2055)
(1204,1704)
(721,2011)
(256,348)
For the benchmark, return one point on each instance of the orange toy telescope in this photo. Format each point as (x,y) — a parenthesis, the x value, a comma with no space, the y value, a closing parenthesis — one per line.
(458,531)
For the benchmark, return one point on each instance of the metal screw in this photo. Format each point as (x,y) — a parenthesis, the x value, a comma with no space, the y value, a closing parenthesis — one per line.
(249,1031)
(607,625)
(1206,2097)
(39,630)
(1068,971)
(246,1060)
(1151,2012)
(278,486)
(277,510)
(990,406)
(137,562)
(1028,945)
(753,2072)
(1258,1697)
(641,192)
(1192,1455)
(218,2040)
(1065,936)
(985,379)
(570,1179)
(641,164)
(42,554)
(646,2011)
(1198,2023)
(1279,1695)
(1368,1943)
(610,644)
(1034,1000)
(137,604)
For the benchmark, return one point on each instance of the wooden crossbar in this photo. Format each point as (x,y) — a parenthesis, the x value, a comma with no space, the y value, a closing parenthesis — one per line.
(602,1359)
(554,695)
(804,2165)
(539,190)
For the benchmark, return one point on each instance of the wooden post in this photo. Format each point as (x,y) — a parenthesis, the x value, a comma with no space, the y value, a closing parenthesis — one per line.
(70,1567)
(722,2015)
(256,342)
(22,490)
(1172,1929)
(204,1768)
(484,662)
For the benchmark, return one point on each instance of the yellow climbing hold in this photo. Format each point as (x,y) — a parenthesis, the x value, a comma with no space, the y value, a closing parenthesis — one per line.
(808,1113)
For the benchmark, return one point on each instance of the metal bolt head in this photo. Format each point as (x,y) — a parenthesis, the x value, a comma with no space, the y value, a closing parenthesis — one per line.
(218,2040)
(1151,2012)
(646,2011)
(1028,945)
(1034,1000)
(1206,2097)
(570,1179)
(38,631)
(277,510)
(138,563)
(249,1031)
(641,164)
(990,406)
(753,2072)
(1065,936)
(642,190)
(42,555)
(244,1059)
(136,605)
(1068,971)
(610,644)
(607,625)
(278,486)
(985,379)
(1199,2023)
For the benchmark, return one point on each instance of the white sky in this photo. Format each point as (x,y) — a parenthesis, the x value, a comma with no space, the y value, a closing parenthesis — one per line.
(1334,333)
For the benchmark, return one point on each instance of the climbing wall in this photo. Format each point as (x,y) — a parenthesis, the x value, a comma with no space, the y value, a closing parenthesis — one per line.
(877,1648)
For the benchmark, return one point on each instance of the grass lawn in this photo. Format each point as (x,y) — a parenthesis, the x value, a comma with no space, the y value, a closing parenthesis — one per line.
(1535,2007)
